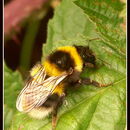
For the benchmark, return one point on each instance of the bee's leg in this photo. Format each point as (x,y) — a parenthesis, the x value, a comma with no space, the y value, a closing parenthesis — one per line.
(88,81)
(89,65)
(54,118)
(55,110)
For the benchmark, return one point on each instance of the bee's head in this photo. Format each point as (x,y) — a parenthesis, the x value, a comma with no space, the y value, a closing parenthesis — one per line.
(87,56)
(62,60)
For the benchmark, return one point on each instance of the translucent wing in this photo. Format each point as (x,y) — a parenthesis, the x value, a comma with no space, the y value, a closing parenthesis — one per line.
(36,90)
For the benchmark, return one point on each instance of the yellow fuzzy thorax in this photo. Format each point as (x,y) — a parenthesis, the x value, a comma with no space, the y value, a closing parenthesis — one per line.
(74,55)
(52,70)
(59,89)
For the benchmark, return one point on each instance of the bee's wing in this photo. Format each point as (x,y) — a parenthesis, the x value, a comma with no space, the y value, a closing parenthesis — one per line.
(35,93)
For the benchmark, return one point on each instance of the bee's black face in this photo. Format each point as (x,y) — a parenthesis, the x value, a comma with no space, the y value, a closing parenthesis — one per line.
(62,60)
(87,55)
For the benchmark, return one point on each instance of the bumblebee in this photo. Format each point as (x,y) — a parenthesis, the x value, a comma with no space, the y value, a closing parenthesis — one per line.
(46,88)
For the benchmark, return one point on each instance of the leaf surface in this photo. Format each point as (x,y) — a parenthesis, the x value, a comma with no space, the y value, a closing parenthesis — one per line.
(12,85)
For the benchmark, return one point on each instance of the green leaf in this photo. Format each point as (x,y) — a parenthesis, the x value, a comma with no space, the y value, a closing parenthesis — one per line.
(88,107)
(68,22)
(105,14)
(12,85)
(102,11)
(68,18)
